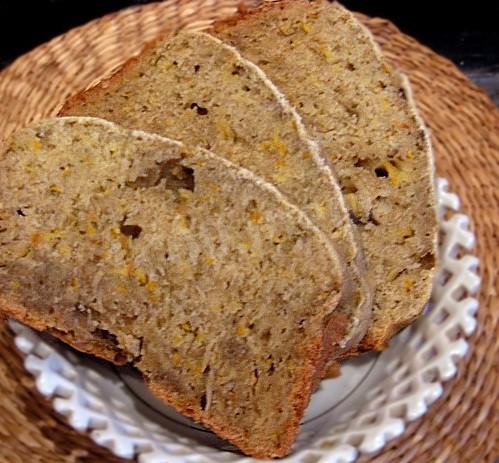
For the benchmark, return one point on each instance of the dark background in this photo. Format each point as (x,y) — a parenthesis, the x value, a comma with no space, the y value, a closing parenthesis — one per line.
(466,32)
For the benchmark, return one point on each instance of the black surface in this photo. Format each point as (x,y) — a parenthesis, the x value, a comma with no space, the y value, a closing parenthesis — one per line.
(465,32)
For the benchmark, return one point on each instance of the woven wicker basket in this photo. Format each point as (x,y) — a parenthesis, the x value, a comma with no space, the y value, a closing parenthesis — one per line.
(464,424)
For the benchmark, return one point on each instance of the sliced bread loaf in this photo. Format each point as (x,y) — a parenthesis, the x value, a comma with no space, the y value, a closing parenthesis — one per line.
(362,113)
(193,87)
(139,249)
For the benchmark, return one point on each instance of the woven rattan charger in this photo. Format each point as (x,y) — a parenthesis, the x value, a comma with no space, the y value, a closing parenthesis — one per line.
(463,426)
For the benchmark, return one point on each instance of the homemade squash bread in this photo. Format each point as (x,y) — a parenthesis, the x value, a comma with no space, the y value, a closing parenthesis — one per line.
(361,111)
(139,249)
(193,87)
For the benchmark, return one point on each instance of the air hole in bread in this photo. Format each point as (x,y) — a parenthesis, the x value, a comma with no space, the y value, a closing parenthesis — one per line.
(203,402)
(278,239)
(111,342)
(355,219)
(131,230)
(174,175)
(199,109)
(197,67)
(381,172)
(372,219)
(266,335)
(427,261)
(105,335)
(236,71)
(21,213)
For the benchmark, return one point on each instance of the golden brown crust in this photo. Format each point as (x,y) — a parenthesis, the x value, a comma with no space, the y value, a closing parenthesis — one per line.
(300,401)
(335,329)
(246,14)
(334,370)
(100,350)
(378,344)
(100,86)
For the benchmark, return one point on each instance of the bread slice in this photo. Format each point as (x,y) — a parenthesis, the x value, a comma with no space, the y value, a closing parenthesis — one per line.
(193,87)
(362,113)
(139,249)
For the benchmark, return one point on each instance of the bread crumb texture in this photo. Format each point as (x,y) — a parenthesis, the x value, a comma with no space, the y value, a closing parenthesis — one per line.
(358,108)
(192,87)
(139,249)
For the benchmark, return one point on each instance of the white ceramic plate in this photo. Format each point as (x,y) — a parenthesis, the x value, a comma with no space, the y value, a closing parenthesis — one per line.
(370,403)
